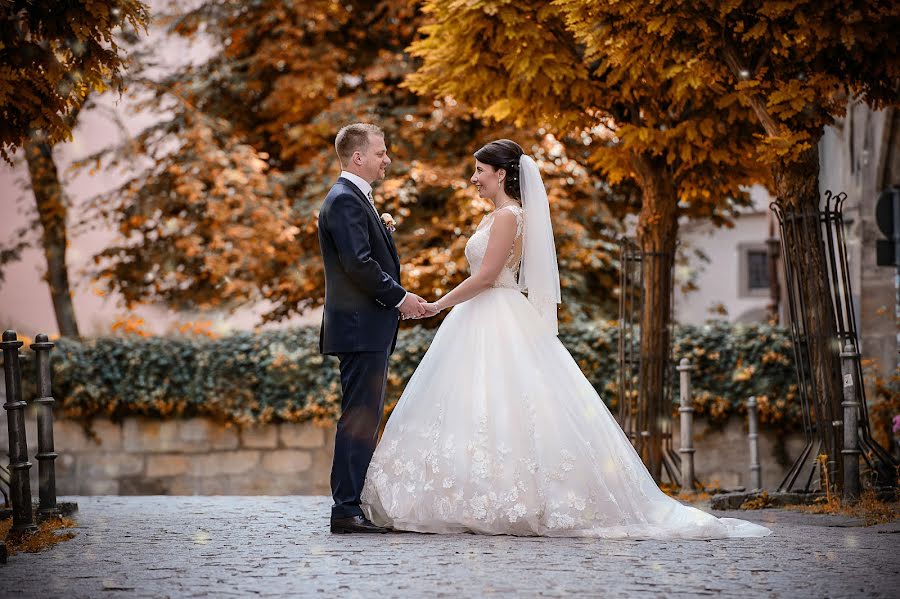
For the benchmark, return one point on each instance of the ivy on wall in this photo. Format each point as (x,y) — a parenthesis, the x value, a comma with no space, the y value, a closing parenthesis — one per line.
(275,376)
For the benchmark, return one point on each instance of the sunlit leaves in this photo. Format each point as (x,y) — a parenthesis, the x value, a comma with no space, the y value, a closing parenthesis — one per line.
(578,64)
(795,63)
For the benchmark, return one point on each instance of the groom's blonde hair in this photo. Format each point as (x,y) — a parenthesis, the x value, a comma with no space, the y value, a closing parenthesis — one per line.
(354,138)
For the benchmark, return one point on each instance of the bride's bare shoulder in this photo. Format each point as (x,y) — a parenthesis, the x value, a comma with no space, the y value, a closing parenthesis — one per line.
(505,220)
(513,209)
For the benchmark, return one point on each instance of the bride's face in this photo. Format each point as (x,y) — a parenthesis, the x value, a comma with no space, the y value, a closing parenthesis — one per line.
(487,180)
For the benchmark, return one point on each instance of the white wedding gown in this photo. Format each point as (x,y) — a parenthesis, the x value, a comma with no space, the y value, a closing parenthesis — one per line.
(499,432)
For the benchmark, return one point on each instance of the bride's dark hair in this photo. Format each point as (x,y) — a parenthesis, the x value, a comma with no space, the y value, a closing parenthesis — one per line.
(505,154)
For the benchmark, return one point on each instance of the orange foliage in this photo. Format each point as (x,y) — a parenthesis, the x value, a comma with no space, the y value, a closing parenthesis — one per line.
(226,212)
(130,325)
(52,60)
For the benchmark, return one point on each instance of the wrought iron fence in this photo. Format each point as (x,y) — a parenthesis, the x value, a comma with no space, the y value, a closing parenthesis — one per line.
(633,266)
(819,417)
(15,481)
(4,485)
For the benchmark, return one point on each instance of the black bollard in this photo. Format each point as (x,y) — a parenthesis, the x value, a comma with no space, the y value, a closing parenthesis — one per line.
(46,456)
(19,466)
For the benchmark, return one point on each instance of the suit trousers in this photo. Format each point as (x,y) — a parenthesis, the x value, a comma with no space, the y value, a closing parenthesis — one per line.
(363,383)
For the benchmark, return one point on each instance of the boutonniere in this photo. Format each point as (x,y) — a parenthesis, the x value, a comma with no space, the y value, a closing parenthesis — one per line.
(389,222)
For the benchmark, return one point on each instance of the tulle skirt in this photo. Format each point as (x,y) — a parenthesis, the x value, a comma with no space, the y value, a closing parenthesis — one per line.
(499,432)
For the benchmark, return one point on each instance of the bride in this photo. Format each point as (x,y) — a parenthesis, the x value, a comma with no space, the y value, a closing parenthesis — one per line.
(498,431)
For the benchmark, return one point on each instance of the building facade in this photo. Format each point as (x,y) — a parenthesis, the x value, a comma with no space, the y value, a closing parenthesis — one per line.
(860,156)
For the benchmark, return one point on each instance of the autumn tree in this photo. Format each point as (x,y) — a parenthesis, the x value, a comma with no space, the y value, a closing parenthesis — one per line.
(647,119)
(796,66)
(51,60)
(284,78)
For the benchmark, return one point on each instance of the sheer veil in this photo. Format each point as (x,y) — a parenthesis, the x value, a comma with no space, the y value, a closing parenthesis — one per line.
(539,272)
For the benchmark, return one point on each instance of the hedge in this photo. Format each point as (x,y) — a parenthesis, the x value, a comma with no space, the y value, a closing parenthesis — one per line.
(273,376)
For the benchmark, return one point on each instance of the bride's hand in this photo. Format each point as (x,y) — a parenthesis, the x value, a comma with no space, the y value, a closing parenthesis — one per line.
(431,308)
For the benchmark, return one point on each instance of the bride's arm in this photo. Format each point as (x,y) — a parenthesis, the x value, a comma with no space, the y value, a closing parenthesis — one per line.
(502,237)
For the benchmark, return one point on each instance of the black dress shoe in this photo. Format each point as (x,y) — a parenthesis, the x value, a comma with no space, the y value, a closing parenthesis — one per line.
(354,524)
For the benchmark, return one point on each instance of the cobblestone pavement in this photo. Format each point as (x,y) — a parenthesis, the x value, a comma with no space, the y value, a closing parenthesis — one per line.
(280,547)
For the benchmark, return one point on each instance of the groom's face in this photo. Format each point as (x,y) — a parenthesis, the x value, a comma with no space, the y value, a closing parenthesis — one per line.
(373,160)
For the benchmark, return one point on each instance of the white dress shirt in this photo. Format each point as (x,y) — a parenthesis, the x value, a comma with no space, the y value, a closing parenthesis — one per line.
(366,188)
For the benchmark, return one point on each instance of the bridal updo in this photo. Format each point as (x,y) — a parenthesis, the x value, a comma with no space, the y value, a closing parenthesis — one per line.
(505,154)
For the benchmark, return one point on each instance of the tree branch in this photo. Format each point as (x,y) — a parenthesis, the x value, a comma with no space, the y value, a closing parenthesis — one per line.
(756,103)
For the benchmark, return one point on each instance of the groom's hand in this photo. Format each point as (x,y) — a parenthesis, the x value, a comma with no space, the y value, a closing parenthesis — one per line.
(412,307)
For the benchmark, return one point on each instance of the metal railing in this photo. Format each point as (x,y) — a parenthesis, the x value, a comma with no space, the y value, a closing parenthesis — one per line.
(819,417)
(17,479)
(634,264)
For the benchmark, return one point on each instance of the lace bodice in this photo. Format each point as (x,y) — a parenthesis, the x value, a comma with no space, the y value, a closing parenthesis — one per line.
(476,248)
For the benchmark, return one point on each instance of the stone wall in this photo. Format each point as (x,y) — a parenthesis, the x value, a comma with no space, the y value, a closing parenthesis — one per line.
(723,454)
(197,456)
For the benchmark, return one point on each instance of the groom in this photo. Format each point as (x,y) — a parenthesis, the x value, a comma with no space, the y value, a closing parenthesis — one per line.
(363,305)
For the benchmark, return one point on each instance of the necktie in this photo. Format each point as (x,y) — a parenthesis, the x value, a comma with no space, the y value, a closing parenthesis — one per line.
(372,201)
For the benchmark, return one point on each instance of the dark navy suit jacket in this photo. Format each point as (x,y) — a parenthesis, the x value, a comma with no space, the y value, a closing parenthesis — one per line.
(362,274)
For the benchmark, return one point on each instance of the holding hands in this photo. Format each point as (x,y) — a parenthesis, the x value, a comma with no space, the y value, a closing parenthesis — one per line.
(415,306)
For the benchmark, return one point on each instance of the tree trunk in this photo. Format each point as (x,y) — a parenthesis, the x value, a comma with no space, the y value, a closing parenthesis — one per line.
(657,233)
(797,186)
(52,213)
